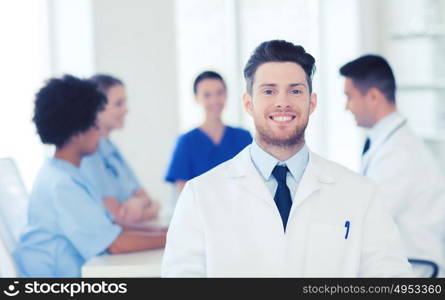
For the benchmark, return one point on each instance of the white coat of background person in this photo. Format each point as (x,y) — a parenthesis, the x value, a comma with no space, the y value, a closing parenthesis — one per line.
(324,220)
(398,160)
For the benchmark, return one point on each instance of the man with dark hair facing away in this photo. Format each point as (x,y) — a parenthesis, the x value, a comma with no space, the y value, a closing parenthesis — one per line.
(399,161)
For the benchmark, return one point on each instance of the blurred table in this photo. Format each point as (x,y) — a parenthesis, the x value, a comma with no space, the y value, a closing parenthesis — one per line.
(136,264)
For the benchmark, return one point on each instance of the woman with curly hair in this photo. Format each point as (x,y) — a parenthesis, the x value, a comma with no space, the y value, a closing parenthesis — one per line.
(67,222)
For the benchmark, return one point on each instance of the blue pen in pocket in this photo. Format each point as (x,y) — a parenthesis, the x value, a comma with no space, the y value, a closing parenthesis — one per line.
(347,225)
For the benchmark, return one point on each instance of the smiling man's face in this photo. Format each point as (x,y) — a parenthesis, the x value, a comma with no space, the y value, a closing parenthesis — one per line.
(280,103)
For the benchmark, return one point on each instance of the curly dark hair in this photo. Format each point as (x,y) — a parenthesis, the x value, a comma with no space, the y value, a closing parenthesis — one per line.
(65,107)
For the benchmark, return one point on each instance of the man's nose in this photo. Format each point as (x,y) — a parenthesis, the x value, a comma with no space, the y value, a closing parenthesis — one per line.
(282,100)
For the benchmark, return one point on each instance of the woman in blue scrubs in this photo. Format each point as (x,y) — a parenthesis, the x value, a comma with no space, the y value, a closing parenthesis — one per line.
(67,222)
(107,169)
(212,143)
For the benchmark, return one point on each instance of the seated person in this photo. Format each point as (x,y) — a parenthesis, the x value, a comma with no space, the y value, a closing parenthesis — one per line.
(212,143)
(107,169)
(67,222)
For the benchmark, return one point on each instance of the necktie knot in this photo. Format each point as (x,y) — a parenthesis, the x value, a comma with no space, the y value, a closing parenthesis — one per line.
(280,173)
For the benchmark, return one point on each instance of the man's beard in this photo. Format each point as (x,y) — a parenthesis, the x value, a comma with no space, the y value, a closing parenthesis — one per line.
(294,139)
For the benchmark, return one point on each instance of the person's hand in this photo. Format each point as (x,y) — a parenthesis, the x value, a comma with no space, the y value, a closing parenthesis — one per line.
(152,208)
(151,211)
(132,210)
(112,205)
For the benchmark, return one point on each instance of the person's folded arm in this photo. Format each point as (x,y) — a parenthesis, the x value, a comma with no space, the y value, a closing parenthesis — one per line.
(146,227)
(112,205)
(139,208)
(136,209)
(130,241)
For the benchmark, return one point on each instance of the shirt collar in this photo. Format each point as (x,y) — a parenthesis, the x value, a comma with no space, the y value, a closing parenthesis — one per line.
(68,167)
(384,126)
(105,147)
(265,163)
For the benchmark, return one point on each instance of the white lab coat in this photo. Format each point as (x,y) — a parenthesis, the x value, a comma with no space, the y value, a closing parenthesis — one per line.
(414,189)
(226,224)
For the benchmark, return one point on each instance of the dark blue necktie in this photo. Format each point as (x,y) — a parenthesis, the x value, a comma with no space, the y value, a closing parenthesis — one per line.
(366,146)
(282,195)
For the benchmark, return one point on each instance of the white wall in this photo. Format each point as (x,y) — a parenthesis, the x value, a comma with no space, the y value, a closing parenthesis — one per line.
(135,41)
(372,23)
(204,37)
(24,64)
(71,37)
(339,43)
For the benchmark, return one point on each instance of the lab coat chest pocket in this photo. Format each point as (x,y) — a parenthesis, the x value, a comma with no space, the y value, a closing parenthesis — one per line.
(327,250)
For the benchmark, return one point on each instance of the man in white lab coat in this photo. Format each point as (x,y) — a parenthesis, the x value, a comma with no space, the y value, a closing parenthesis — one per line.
(277,209)
(393,156)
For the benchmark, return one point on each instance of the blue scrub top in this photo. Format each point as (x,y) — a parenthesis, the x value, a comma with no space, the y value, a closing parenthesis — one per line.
(196,153)
(67,224)
(109,173)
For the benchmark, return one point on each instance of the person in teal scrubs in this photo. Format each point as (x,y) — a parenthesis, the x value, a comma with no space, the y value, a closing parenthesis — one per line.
(107,170)
(212,143)
(67,222)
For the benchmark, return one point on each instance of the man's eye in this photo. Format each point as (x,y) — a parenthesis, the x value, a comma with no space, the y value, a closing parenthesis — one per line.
(296,92)
(268,92)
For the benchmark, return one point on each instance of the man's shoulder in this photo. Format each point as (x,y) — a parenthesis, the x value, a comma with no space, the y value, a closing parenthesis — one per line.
(50,178)
(340,173)
(405,146)
(344,185)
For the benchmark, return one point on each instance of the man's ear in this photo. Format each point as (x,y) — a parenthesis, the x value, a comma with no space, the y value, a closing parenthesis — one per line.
(375,99)
(248,104)
(374,94)
(312,103)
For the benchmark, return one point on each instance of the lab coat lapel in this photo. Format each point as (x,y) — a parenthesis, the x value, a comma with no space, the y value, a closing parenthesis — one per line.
(243,172)
(366,159)
(314,177)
